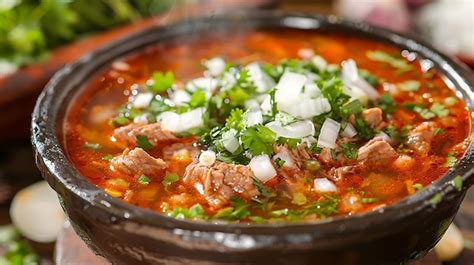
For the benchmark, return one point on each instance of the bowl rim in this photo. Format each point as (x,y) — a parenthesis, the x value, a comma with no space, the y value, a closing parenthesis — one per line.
(65,178)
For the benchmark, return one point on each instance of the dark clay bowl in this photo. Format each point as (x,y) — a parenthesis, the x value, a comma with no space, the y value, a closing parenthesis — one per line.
(125,234)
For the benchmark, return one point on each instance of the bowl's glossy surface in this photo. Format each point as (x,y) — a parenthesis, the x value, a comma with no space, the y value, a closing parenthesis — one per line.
(129,235)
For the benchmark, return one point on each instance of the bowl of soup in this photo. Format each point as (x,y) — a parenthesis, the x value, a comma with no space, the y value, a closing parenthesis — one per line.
(259,138)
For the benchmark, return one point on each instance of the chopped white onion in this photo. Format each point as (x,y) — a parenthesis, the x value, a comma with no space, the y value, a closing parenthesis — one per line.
(305,53)
(207,84)
(356,93)
(308,141)
(36,212)
(253,117)
(177,123)
(329,132)
(307,108)
(297,130)
(142,100)
(319,62)
(252,104)
(286,157)
(191,119)
(324,185)
(179,97)
(261,80)
(142,119)
(230,141)
(262,168)
(350,77)
(289,88)
(349,131)
(207,158)
(311,90)
(215,66)
(266,105)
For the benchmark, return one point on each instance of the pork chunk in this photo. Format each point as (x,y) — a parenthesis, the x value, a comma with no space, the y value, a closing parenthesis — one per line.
(219,182)
(128,134)
(137,162)
(373,117)
(419,139)
(377,153)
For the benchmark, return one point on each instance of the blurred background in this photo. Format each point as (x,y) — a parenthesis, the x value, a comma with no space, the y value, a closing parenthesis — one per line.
(37,37)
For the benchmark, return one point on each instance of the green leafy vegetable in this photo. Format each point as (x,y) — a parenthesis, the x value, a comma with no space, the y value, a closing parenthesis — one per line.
(392,60)
(439,110)
(198,99)
(437,198)
(195,212)
(409,85)
(161,82)
(349,150)
(93,146)
(169,179)
(279,162)
(107,157)
(387,104)
(258,140)
(142,142)
(144,180)
(457,183)
(417,186)
(450,159)
(368,200)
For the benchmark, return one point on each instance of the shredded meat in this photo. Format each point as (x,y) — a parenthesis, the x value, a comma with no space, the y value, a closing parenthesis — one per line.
(337,174)
(420,137)
(137,162)
(220,181)
(325,156)
(377,153)
(373,117)
(128,134)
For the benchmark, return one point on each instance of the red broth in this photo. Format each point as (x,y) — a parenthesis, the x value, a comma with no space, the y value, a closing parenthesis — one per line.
(88,120)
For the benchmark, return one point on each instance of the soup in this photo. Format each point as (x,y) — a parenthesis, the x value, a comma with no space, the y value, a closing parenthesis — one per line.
(263,126)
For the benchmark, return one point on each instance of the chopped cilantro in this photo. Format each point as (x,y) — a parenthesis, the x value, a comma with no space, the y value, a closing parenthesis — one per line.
(417,186)
(368,200)
(142,142)
(169,179)
(198,99)
(371,79)
(264,190)
(457,183)
(333,154)
(394,61)
(195,212)
(450,159)
(258,140)
(349,150)
(235,120)
(449,101)
(299,198)
(387,104)
(273,102)
(144,180)
(437,198)
(239,210)
(93,146)
(409,85)
(290,142)
(438,131)
(107,157)
(161,82)
(279,162)
(439,110)
(352,107)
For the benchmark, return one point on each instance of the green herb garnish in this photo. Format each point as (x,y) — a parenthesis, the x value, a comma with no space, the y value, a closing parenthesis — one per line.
(457,183)
(144,180)
(107,157)
(93,146)
(142,142)
(169,179)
